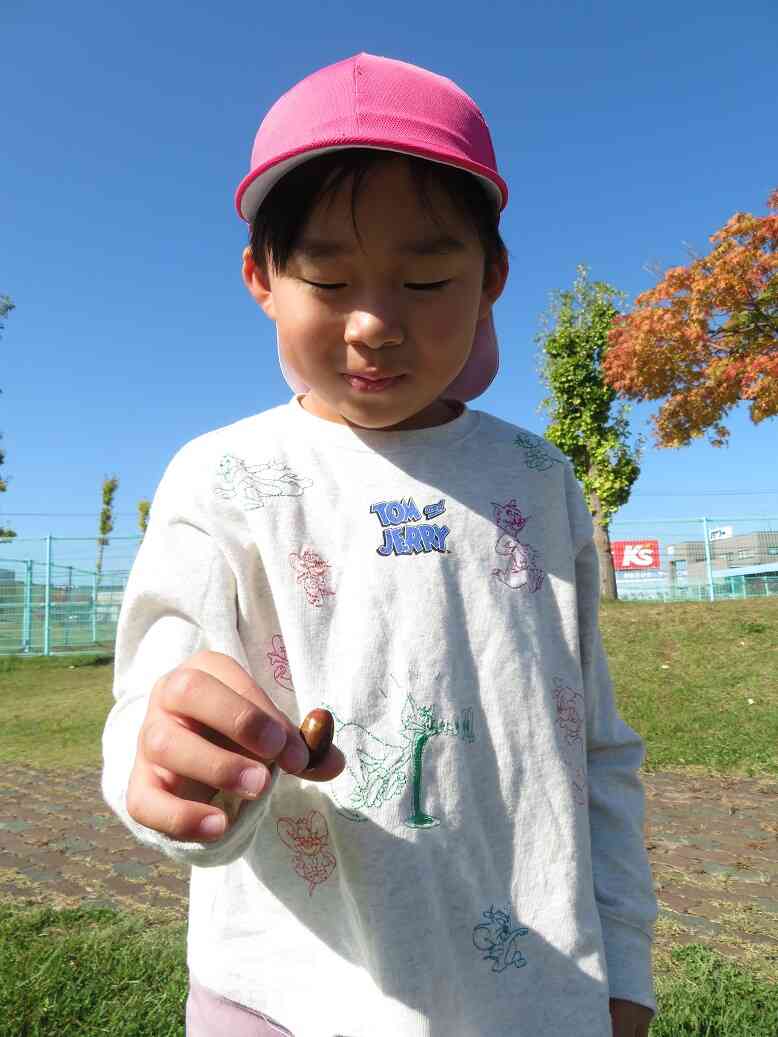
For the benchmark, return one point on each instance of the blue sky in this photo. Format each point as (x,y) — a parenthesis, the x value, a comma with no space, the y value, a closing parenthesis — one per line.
(623,130)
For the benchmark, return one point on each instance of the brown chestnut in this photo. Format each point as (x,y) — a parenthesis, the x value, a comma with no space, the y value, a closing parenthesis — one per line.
(317,730)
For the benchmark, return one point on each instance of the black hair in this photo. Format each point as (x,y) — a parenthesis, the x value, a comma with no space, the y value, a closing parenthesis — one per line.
(279,222)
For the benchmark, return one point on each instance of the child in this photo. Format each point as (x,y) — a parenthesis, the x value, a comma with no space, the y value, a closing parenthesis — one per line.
(469,860)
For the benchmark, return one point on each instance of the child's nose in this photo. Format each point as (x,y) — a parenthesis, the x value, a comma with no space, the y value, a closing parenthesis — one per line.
(374,328)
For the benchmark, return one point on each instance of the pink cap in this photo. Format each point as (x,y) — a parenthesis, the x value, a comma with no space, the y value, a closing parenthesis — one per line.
(374,102)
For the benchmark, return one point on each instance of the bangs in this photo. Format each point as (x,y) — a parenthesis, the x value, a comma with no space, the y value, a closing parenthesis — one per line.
(281,219)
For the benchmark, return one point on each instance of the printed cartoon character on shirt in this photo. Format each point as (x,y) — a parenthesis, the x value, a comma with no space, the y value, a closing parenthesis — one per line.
(536,453)
(523,568)
(311,572)
(252,485)
(279,660)
(308,837)
(497,937)
(378,769)
(570,721)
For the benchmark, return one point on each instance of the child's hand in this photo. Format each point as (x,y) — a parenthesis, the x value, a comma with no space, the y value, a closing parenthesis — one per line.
(207,723)
(629,1019)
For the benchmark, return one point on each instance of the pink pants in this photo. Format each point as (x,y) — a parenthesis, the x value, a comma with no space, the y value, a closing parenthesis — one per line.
(210,1015)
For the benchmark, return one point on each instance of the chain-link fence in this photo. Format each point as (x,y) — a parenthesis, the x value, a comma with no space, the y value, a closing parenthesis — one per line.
(53,599)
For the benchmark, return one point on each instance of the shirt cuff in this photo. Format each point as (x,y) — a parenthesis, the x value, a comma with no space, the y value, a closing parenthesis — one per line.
(628,958)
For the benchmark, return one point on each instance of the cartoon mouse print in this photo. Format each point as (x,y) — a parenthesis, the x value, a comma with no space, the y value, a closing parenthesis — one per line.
(308,838)
(498,939)
(311,572)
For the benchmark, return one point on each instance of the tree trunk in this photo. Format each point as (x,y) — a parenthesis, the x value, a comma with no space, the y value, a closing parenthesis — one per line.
(602,541)
(99,559)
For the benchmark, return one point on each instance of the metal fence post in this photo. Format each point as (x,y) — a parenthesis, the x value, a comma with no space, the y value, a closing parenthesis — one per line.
(47,600)
(708,567)
(94,608)
(27,611)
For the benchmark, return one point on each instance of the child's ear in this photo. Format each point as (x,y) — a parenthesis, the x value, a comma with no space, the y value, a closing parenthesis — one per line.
(495,276)
(257,283)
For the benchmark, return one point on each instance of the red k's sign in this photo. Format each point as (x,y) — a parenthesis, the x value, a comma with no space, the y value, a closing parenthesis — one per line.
(635,554)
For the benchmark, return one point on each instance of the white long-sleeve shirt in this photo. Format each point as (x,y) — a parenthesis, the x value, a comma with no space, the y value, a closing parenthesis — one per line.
(479,867)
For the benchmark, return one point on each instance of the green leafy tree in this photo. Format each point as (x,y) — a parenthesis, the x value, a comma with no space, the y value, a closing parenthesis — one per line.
(143,515)
(5,307)
(110,487)
(585,424)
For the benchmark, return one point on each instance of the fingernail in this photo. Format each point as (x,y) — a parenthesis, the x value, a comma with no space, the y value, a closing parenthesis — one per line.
(252,781)
(212,825)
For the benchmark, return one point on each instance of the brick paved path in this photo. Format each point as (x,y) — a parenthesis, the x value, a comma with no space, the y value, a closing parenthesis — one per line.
(713,844)
(61,844)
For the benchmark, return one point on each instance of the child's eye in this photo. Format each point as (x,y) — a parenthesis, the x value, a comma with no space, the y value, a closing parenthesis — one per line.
(416,287)
(430,286)
(328,287)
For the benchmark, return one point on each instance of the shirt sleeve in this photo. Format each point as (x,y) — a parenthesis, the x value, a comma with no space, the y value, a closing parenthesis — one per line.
(180,598)
(623,884)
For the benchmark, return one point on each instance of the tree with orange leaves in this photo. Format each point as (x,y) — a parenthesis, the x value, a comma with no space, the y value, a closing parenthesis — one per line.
(706,337)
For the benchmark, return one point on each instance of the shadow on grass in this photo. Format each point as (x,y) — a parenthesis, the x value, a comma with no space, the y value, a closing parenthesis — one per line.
(101,971)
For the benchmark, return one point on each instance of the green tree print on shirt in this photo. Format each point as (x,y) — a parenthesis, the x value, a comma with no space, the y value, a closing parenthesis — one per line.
(380,771)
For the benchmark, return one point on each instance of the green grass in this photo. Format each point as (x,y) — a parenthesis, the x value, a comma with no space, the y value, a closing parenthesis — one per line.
(54,709)
(95,972)
(704,995)
(683,675)
(91,972)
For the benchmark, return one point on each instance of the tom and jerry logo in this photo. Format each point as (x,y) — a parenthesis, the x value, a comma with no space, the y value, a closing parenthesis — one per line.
(402,536)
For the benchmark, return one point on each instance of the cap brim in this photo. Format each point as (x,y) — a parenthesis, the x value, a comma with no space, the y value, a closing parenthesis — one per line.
(258,184)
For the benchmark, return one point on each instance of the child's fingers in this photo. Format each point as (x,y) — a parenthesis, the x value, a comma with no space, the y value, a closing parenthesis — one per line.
(150,804)
(216,691)
(236,677)
(169,744)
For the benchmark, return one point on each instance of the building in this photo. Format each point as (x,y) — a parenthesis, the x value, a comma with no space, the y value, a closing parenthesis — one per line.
(746,562)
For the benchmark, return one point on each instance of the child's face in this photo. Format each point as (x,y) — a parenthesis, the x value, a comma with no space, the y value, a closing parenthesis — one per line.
(383,308)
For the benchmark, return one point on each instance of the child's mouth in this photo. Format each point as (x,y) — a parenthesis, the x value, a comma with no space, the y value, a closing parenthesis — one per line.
(371,384)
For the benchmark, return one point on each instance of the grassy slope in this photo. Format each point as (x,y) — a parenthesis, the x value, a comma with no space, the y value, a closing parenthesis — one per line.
(54,709)
(683,675)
